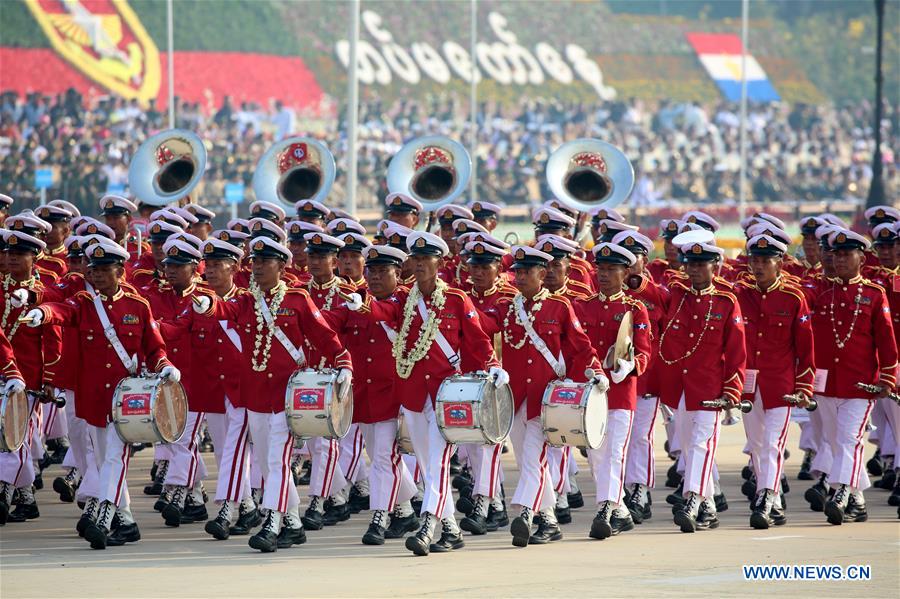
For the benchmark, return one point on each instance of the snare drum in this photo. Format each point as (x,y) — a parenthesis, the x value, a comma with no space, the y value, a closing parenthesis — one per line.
(14,416)
(470,409)
(312,405)
(404,440)
(573,414)
(149,409)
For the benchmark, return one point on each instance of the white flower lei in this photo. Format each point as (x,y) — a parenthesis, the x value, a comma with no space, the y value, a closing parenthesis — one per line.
(7,305)
(511,311)
(259,298)
(405,364)
(332,291)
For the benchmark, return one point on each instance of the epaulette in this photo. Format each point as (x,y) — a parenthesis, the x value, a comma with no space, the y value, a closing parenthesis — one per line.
(579,286)
(561,298)
(141,271)
(724,293)
(873,284)
(631,300)
(722,280)
(53,258)
(84,295)
(45,272)
(137,297)
(456,291)
(297,290)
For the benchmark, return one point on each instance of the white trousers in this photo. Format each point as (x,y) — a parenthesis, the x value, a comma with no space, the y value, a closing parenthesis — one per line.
(272,447)
(535,488)
(55,423)
(558,460)
(433,454)
(484,460)
(843,428)
(879,421)
(352,462)
(608,460)
(767,431)
(640,466)
(892,413)
(699,435)
(17,467)
(233,483)
(390,482)
(113,458)
(821,463)
(326,476)
(185,463)
(412,464)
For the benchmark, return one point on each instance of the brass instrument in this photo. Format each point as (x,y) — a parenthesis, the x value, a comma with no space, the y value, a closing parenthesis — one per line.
(877,390)
(434,170)
(294,169)
(167,167)
(801,401)
(588,174)
(732,412)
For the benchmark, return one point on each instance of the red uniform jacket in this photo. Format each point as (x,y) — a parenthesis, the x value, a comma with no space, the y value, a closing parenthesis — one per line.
(889,280)
(778,331)
(582,272)
(374,368)
(459,324)
(869,353)
(701,346)
(55,262)
(215,358)
(452,271)
(656,299)
(600,318)
(37,350)
(263,391)
(7,360)
(529,372)
(100,368)
(326,298)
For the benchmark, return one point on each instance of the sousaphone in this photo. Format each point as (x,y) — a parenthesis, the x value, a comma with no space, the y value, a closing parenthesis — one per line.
(167,167)
(434,170)
(587,174)
(294,169)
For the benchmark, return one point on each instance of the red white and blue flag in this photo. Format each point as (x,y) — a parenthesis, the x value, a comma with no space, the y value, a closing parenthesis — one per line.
(720,55)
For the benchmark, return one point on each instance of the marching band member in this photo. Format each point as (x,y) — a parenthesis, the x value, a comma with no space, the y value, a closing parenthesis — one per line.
(438,332)
(780,363)
(202,227)
(854,343)
(36,354)
(452,263)
(701,345)
(375,405)
(150,271)
(58,218)
(266,210)
(118,214)
(600,316)
(640,466)
(296,242)
(272,350)
(549,221)
(312,212)
(402,209)
(662,269)
(35,227)
(488,511)
(116,328)
(168,300)
(485,214)
(537,327)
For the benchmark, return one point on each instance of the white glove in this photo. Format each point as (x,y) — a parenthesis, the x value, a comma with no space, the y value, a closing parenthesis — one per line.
(344,381)
(201,304)
(14,386)
(171,373)
(501,377)
(355,302)
(598,379)
(624,369)
(36,316)
(18,298)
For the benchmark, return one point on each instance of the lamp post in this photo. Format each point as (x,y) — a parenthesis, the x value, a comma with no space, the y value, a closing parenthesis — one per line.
(876,187)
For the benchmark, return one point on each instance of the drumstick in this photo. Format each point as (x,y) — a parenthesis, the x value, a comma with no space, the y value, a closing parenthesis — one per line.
(25,319)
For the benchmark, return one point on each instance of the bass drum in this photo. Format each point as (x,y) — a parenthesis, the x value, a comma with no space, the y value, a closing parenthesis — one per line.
(149,409)
(574,414)
(313,407)
(14,415)
(470,409)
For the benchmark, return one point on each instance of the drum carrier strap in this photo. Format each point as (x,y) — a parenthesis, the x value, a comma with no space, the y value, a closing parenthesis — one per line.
(130,363)
(296,352)
(556,365)
(442,342)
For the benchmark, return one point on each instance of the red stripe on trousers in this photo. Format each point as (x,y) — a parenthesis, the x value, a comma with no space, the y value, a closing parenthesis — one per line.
(357,452)
(121,483)
(651,464)
(285,472)
(495,465)
(445,478)
(395,469)
(782,439)
(563,469)
(329,469)
(192,448)
(709,458)
(542,461)
(857,452)
(237,460)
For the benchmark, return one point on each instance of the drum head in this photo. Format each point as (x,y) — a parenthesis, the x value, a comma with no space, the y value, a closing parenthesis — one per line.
(15,420)
(496,412)
(171,410)
(595,416)
(341,414)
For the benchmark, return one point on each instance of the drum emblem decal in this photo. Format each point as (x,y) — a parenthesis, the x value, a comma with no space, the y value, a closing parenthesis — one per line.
(136,404)
(458,414)
(565,396)
(309,399)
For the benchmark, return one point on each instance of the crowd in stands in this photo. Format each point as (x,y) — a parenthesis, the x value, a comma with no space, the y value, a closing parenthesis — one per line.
(681,151)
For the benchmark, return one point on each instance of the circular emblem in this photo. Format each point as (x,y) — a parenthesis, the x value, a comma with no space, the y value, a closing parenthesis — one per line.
(209,249)
(259,245)
(462,227)
(373,253)
(763,243)
(476,207)
(341,227)
(697,249)
(307,207)
(45,212)
(841,238)
(156,228)
(99,252)
(885,233)
(545,218)
(395,238)
(547,247)
(397,201)
(13,240)
(420,242)
(224,236)
(92,228)
(295,228)
(18,225)
(479,249)
(606,251)
(629,241)
(879,213)
(257,226)
(520,254)
(257,209)
(692,219)
(173,251)
(602,214)
(317,240)
(672,226)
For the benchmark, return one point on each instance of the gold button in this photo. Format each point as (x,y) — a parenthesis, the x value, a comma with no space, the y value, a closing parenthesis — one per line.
(269,375)
(527,380)
(219,340)
(690,334)
(427,376)
(220,358)
(764,296)
(757,353)
(109,365)
(835,359)
(759,334)
(107,385)
(370,380)
(684,371)
(529,360)
(368,359)
(695,317)
(222,377)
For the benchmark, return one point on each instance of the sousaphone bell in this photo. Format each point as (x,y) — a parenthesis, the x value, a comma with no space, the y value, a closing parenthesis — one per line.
(294,169)
(587,174)
(167,167)
(434,170)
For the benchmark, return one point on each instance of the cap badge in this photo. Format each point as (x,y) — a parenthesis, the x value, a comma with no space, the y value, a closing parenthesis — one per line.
(173,251)
(547,247)
(99,252)
(520,254)
(879,213)
(92,228)
(317,240)
(606,251)
(341,227)
(307,207)
(672,226)
(155,229)
(479,249)
(259,245)
(697,249)
(629,241)
(476,206)
(396,201)
(373,253)
(209,249)
(420,242)
(13,240)
(763,243)
(545,218)
(841,238)
(395,238)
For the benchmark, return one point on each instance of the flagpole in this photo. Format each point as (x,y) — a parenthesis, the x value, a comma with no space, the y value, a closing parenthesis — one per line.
(352,109)
(171,42)
(742,182)
(473,103)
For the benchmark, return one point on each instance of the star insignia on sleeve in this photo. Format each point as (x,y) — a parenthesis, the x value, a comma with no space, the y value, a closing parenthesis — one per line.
(470,314)
(642,326)
(804,318)
(737,320)
(317,314)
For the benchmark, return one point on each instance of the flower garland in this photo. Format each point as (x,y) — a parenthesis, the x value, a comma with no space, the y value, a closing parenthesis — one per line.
(538,300)
(857,303)
(420,348)
(7,304)
(259,300)
(332,291)
(662,338)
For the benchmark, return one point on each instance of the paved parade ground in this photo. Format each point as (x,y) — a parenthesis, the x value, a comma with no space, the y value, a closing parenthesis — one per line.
(45,558)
